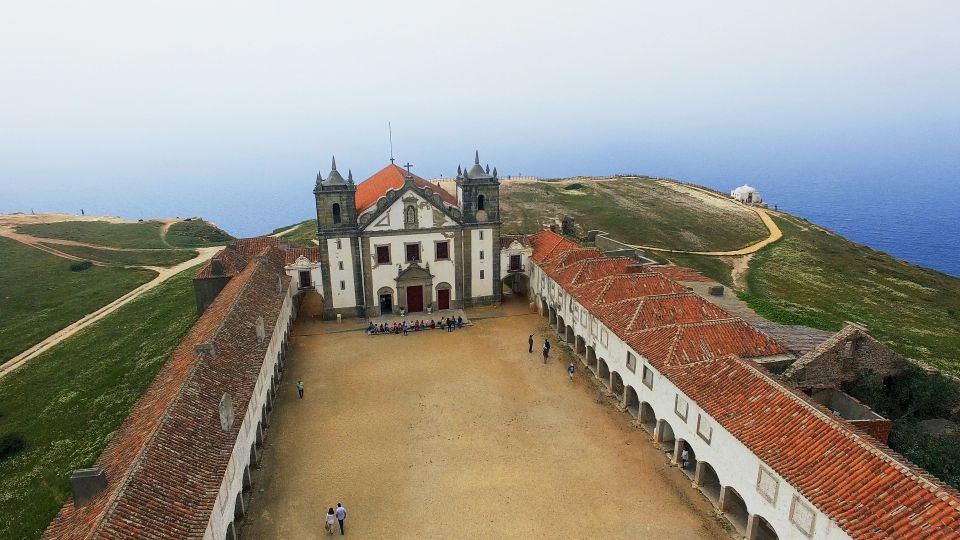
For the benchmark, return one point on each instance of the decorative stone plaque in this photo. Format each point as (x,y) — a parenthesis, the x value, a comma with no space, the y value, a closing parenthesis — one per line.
(226,412)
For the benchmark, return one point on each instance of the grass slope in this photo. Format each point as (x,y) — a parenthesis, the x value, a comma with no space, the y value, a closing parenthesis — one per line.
(144,235)
(196,232)
(40,295)
(145,257)
(303,235)
(68,402)
(635,210)
(819,279)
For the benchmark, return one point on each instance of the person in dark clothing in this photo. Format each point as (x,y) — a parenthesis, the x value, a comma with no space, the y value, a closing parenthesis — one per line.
(530,343)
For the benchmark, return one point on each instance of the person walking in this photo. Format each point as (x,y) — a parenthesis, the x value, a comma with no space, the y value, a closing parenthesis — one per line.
(685,458)
(530,343)
(300,388)
(341,515)
(546,352)
(546,343)
(570,370)
(330,517)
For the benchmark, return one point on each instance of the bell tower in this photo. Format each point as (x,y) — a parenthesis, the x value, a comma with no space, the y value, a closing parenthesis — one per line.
(478,194)
(338,236)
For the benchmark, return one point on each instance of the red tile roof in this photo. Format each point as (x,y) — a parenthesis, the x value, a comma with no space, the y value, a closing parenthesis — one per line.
(677,273)
(237,255)
(292,254)
(391,177)
(165,464)
(863,486)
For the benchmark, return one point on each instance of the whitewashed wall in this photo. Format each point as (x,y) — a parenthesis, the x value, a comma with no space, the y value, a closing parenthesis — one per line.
(482,287)
(734,463)
(384,275)
(223,509)
(345,296)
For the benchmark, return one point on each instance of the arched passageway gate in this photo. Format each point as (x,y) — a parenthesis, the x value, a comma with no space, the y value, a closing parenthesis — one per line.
(690,466)
(592,360)
(552,316)
(570,336)
(760,529)
(664,436)
(616,385)
(603,373)
(706,479)
(632,402)
(648,418)
(581,348)
(734,509)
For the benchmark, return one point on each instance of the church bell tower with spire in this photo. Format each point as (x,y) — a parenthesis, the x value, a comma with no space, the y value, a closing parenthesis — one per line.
(338,236)
(478,195)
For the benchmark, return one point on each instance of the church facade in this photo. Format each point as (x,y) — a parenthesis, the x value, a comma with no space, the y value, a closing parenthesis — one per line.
(396,243)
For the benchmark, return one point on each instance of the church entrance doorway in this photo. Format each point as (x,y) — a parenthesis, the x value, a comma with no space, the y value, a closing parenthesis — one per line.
(415,299)
(443,299)
(386,304)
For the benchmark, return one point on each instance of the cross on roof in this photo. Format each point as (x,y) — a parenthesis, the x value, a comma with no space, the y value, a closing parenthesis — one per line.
(408,165)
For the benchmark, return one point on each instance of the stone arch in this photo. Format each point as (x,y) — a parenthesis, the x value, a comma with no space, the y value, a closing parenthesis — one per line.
(544,308)
(247,480)
(386,300)
(592,359)
(631,401)
(239,508)
(759,528)
(581,347)
(603,372)
(570,335)
(707,480)
(561,327)
(648,418)
(734,509)
(444,286)
(616,385)
(664,436)
(690,468)
(552,316)
(336,213)
(231,532)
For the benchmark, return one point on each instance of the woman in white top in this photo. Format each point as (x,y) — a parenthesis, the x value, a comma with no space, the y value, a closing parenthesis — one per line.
(331,519)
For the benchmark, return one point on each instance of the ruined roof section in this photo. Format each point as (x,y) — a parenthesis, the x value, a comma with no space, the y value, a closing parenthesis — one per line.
(507,239)
(165,464)
(860,484)
(391,177)
(292,254)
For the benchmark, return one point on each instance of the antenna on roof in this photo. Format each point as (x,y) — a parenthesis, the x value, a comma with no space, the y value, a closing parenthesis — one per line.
(390,130)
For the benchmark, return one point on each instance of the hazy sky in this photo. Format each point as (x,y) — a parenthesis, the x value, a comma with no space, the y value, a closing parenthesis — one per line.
(229,109)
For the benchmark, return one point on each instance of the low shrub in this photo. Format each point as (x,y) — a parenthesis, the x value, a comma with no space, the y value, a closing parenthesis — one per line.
(80,266)
(10,444)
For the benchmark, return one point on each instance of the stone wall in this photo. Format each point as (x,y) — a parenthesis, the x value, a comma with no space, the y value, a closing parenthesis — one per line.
(841,358)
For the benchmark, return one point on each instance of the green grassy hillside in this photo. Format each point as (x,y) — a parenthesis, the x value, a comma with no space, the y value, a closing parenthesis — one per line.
(144,235)
(134,257)
(39,294)
(67,403)
(195,232)
(636,210)
(303,234)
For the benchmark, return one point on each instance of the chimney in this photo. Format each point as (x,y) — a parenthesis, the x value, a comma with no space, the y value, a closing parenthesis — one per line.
(261,331)
(216,266)
(205,348)
(87,484)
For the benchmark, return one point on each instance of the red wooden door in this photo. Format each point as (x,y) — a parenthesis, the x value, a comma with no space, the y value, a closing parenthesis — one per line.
(414,299)
(443,299)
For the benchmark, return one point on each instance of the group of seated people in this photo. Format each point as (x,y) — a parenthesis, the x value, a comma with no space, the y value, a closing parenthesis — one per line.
(404,327)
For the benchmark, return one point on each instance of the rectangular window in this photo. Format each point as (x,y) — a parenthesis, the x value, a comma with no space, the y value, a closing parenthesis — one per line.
(305,279)
(631,362)
(338,244)
(481,274)
(481,235)
(648,377)
(481,254)
(767,485)
(413,252)
(339,265)
(383,254)
(583,317)
(604,337)
(343,285)
(704,428)
(680,406)
(802,516)
(443,251)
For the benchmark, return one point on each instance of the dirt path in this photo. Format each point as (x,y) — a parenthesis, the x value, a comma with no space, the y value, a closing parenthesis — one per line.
(163,274)
(285,231)
(461,435)
(775,234)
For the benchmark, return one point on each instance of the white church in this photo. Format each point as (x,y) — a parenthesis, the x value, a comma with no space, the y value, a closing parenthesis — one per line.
(398,243)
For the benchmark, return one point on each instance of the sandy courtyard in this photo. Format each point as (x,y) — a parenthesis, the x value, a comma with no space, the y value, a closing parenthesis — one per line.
(459,435)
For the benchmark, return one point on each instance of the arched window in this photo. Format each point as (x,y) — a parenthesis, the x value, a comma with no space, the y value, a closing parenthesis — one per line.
(336,212)
(480,202)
